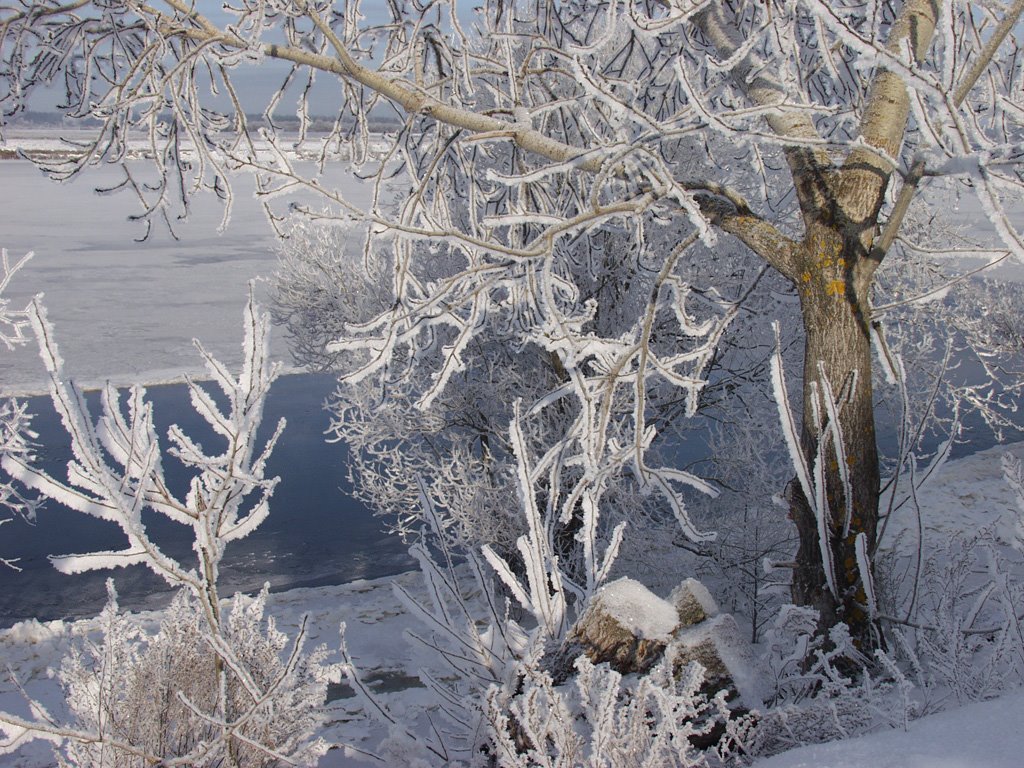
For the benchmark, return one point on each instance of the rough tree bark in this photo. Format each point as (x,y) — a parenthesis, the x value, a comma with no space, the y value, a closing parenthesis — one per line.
(835,307)
(832,268)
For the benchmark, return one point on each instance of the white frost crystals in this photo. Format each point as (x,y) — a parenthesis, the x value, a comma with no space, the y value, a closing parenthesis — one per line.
(13,322)
(228,695)
(164,695)
(15,435)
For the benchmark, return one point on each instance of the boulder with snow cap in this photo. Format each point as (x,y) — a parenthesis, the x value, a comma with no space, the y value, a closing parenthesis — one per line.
(693,603)
(630,627)
(627,626)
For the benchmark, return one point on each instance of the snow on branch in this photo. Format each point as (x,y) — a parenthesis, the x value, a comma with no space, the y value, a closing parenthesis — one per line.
(13,322)
(217,682)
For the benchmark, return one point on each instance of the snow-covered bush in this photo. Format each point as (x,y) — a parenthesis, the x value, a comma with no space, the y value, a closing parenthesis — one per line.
(211,686)
(165,696)
(13,322)
(965,637)
(825,688)
(116,471)
(601,719)
(16,441)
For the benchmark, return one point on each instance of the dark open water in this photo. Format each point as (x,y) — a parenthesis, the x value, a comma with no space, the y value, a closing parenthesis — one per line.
(316,533)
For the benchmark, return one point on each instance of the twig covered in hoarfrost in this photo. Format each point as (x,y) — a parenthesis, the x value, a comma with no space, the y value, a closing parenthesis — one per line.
(120,491)
(13,322)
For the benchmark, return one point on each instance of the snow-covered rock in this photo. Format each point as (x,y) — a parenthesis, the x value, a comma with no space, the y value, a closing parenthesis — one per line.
(693,602)
(719,646)
(627,626)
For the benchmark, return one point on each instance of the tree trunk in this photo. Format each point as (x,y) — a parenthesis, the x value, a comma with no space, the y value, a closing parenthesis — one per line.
(834,285)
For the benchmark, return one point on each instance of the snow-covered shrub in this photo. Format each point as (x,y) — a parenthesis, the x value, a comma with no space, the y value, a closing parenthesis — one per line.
(164,696)
(601,718)
(16,440)
(453,451)
(825,688)
(211,687)
(117,467)
(966,638)
(951,602)
(320,286)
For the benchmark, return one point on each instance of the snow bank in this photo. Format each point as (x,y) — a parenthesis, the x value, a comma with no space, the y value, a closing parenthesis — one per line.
(32,632)
(968,494)
(982,735)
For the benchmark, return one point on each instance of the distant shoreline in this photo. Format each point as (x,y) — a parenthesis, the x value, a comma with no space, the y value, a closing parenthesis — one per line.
(318,124)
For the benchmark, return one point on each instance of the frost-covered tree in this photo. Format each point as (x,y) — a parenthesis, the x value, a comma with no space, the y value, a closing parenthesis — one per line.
(800,128)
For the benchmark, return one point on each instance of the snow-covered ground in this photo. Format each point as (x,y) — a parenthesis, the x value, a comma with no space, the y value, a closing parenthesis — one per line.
(986,734)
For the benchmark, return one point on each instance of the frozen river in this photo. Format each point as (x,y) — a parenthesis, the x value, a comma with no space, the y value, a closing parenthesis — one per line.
(124,310)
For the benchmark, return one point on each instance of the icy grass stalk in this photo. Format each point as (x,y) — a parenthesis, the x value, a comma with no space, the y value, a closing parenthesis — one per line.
(543,594)
(811,479)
